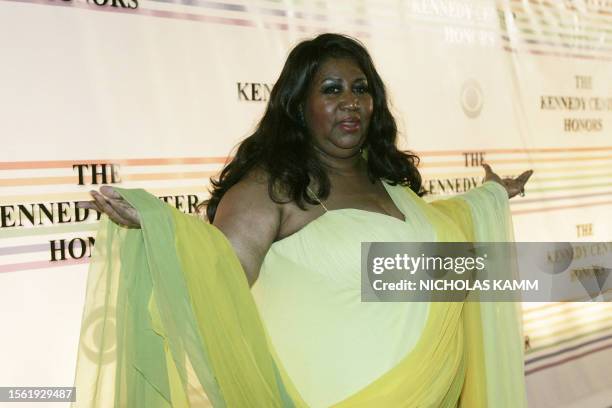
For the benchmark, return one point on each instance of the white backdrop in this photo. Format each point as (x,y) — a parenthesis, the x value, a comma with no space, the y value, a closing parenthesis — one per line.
(162,91)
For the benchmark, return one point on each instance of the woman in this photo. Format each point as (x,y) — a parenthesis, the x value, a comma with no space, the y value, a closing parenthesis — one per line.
(320,175)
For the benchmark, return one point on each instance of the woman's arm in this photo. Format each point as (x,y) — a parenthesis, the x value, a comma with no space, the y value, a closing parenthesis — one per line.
(246,215)
(250,220)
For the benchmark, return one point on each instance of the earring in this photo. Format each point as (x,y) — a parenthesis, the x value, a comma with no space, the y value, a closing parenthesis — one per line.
(301,116)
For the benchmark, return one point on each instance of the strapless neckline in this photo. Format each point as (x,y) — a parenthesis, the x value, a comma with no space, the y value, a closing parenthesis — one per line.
(355,211)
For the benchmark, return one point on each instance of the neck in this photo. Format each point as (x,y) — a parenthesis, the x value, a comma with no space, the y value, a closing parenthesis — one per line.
(351,165)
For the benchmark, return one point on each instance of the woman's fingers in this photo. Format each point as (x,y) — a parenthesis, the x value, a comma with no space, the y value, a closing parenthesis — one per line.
(91,205)
(513,186)
(518,184)
(125,211)
(524,177)
(104,204)
(110,192)
(110,202)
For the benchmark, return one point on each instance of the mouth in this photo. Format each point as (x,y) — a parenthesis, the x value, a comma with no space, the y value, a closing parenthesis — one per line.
(351,125)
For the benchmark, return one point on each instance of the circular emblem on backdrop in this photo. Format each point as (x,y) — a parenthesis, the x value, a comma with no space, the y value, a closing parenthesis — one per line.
(552,258)
(471,98)
(98,337)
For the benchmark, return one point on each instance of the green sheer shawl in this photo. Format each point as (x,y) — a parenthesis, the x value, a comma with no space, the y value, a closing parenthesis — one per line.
(169,320)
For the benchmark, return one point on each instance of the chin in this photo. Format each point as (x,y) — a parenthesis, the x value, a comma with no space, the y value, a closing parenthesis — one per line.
(346,153)
(348,142)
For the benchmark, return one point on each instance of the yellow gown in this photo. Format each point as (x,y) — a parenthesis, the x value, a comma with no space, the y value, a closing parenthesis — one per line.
(170,320)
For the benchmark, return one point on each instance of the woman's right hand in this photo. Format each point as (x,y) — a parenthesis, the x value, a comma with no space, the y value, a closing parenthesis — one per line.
(110,202)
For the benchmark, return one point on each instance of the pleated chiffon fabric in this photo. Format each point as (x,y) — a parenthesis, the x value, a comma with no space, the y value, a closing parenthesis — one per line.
(170,320)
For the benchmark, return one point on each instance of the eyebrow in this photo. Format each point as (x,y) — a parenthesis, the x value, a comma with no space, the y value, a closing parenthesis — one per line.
(334,78)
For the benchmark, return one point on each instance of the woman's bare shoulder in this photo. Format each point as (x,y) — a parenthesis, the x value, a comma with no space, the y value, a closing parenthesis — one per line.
(250,220)
(250,195)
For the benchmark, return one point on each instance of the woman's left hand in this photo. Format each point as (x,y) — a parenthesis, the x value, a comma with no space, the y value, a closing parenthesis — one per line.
(513,186)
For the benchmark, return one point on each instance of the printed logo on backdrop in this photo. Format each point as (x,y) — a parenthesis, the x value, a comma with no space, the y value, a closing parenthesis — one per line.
(582,111)
(471,98)
(253,91)
(465,23)
(457,185)
(99,335)
(589,5)
(124,4)
(41,214)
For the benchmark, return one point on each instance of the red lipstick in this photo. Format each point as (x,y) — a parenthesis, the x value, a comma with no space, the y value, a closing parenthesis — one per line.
(350,125)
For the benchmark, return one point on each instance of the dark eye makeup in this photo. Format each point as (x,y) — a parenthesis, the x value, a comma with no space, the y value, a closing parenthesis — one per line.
(361,88)
(334,87)
(331,88)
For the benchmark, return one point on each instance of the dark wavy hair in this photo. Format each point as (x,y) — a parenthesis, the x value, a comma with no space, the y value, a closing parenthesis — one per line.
(282,147)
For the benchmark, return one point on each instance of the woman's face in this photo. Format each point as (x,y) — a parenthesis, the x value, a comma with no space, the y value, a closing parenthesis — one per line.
(338,108)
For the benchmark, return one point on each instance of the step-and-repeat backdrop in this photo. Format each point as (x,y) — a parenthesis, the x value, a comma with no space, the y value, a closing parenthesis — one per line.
(156,93)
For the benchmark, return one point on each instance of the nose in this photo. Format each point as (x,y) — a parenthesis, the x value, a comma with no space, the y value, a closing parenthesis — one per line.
(351,103)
